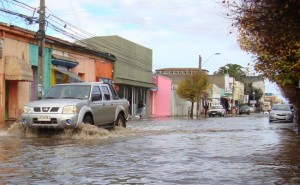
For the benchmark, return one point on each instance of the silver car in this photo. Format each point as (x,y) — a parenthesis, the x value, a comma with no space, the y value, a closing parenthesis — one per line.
(70,105)
(282,113)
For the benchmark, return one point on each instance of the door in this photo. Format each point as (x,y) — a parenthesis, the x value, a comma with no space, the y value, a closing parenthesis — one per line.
(97,106)
(6,99)
(110,104)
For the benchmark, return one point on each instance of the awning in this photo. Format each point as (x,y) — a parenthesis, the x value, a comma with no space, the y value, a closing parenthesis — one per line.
(17,69)
(69,73)
(64,61)
(119,80)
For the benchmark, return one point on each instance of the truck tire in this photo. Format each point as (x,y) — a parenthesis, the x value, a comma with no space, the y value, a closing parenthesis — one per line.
(88,120)
(120,122)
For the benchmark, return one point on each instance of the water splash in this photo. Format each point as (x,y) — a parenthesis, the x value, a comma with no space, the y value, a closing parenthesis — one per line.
(85,132)
(15,129)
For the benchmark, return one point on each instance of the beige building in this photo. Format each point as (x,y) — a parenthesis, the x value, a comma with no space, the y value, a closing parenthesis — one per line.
(239,94)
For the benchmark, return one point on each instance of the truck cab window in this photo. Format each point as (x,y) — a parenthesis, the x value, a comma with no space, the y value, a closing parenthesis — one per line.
(96,94)
(113,92)
(105,92)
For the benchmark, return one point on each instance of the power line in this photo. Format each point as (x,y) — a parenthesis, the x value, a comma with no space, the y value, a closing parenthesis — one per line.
(79,35)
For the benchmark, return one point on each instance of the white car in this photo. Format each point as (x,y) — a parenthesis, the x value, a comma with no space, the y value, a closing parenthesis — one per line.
(282,113)
(216,110)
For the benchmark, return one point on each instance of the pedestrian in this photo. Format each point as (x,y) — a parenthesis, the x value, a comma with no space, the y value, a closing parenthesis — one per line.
(141,106)
(226,106)
(129,107)
(205,109)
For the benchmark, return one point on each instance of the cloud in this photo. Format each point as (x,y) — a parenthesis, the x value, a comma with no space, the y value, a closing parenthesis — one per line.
(177,31)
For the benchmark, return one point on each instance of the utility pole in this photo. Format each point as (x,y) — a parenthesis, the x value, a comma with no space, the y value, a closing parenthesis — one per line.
(198,98)
(41,41)
(200,63)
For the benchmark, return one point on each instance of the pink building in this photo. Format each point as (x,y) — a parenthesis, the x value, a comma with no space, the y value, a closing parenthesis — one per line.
(160,98)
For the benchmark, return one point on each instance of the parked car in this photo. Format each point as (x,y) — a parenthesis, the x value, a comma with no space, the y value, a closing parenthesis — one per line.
(282,113)
(244,109)
(216,110)
(252,108)
(70,105)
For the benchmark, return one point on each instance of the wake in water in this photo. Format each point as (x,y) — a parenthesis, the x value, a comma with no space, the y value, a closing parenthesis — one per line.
(85,131)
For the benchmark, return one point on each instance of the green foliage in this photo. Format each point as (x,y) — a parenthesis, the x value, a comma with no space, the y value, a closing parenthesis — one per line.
(192,87)
(258,93)
(270,30)
(234,70)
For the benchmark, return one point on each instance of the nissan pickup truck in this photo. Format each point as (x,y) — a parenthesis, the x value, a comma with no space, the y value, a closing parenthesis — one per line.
(70,105)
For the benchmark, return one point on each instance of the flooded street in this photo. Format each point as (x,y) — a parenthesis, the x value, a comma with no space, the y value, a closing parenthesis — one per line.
(230,150)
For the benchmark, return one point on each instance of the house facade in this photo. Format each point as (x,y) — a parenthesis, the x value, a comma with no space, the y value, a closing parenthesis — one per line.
(179,106)
(64,62)
(160,97)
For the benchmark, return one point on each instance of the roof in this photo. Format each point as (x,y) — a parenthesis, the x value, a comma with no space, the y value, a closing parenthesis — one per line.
(54,40)
(180,69)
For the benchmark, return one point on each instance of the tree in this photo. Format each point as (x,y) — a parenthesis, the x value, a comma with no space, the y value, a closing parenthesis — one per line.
(234,70)
(192,87)
(270,30)
(254,93)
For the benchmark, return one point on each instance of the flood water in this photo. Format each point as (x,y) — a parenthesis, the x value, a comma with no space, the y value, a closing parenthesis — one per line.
(232,150)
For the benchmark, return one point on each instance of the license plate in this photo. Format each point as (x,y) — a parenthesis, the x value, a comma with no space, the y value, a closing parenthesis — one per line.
(44,118)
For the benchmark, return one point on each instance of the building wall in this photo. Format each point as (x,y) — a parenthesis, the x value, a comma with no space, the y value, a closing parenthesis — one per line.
(46,67)
(239,91)
(215,93)
(180,107)
(161,98)
(218,80)
(133,63)
(103,69)
(85,68)
(18,91)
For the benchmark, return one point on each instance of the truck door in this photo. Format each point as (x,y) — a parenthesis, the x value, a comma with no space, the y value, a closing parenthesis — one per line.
(110,107)
(97,106)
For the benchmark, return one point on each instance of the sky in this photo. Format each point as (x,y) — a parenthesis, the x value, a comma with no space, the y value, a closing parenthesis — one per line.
(177,31)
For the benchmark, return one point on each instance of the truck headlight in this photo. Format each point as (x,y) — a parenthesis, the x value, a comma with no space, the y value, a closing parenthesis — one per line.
(71,109)
(26,109)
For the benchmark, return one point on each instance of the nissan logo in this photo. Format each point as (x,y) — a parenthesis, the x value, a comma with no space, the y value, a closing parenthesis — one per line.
(45,109)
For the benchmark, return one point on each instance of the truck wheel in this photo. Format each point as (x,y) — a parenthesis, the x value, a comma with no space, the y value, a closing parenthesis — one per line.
(88,120)
(120,122)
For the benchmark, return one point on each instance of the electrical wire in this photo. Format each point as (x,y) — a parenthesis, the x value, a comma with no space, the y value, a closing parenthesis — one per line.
(82,37)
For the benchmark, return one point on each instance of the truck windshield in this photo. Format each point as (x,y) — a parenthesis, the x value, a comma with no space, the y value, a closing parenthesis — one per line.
(69,92)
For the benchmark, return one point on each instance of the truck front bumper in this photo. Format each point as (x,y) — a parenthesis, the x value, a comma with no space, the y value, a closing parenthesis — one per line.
(59,121)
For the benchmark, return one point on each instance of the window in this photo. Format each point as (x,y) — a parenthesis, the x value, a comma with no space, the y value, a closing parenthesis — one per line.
(96,94)
(113,92)
(105,92)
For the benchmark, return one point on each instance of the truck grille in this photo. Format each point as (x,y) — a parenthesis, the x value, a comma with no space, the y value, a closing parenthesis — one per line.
(45,109)
(52,121)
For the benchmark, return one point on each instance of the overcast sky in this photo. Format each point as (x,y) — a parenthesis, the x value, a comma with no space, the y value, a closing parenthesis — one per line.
(177,31)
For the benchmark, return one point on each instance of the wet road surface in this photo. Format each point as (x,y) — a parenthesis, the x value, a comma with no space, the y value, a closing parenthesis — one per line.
(232,150)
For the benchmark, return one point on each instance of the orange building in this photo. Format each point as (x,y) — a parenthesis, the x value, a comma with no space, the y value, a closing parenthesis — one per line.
(63,62)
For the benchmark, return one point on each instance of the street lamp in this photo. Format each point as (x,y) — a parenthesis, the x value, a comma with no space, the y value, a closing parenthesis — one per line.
(200,60)
(200,70)
(253,95)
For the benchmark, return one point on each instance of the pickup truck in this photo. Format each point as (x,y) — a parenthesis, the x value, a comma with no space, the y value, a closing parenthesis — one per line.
(70,105)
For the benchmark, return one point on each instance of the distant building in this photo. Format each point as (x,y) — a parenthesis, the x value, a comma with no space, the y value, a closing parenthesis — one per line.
(273,99)
(132,70)
(180,107)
